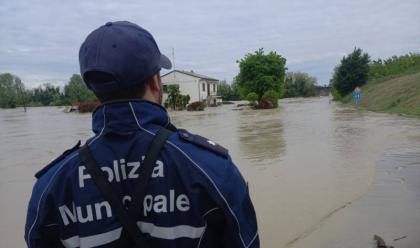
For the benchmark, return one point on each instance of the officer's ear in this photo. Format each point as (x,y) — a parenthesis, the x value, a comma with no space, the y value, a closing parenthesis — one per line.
(154,83)
(153,89)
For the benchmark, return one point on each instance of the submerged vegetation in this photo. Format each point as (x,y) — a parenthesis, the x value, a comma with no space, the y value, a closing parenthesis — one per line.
(196,106)
(260,73)
(88,106)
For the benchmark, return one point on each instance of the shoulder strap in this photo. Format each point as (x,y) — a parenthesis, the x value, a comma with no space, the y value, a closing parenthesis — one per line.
(149,162)
(127,221)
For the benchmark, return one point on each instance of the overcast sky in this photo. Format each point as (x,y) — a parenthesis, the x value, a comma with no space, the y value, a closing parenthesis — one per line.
(39,40)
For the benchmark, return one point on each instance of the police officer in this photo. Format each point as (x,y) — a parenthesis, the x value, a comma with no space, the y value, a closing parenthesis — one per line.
(139,181)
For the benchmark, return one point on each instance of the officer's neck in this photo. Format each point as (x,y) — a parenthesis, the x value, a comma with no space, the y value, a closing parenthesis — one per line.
(152,98)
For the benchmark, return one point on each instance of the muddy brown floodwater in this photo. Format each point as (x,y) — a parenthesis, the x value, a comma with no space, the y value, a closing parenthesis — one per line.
(320,174)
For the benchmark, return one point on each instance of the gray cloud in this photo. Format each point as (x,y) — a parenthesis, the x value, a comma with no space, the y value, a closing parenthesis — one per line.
(39,40)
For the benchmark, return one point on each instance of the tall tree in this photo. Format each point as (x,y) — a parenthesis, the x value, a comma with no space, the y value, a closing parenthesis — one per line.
(236,95)
(76,91)
(351,72)
(173,93)
(12,91)
(260,72)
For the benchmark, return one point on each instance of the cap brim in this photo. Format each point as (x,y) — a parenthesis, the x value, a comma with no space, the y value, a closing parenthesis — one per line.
(165,62)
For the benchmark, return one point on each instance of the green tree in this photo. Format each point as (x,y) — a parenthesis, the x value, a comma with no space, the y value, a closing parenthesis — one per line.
(12,91)
(351,72)
(235,96)
(260,72)
(184,100)
(47,94)
(76,91)
(299,84)
(228,92)
(224,90)
(173,94)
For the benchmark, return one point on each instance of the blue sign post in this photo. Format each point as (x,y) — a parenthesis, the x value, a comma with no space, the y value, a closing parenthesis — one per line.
(357,95)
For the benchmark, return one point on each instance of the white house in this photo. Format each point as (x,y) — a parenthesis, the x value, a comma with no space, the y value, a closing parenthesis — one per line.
(198,87)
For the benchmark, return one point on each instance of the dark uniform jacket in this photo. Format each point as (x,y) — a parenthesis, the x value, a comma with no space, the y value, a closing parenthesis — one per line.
(196,196)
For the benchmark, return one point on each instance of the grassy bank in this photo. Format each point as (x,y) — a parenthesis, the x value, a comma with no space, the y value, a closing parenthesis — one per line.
(395,94)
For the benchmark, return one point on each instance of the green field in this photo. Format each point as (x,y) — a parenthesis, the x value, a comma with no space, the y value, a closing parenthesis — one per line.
(396,94)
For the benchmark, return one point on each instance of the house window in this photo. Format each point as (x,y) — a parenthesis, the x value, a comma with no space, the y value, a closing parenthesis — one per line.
(204,87)
(214,87)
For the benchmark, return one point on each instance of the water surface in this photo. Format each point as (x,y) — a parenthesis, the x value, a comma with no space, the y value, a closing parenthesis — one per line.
(305,162)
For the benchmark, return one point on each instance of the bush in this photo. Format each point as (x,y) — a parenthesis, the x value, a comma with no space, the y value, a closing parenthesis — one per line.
(184,99)
(335,94)
(89,106)
(267,103)
(196,106)
(252,98)
(269,100)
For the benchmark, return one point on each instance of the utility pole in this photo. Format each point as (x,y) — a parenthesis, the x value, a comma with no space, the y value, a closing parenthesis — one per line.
(173,57)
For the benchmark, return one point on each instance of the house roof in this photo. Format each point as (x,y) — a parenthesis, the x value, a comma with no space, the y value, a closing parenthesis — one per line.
(193,74)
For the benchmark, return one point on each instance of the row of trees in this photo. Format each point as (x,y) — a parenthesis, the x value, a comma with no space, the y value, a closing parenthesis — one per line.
(394,65)
(299,84)
(356,69)
(228,92)
(262,80)
(13,93)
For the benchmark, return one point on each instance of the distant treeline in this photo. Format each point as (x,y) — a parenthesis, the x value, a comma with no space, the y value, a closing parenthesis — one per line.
(394,65)
(228,92)
(14,94)
(299,84)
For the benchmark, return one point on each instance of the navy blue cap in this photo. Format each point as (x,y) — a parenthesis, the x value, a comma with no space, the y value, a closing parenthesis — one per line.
(122,50)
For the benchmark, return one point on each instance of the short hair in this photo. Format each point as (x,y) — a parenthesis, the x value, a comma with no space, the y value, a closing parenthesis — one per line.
(136,91)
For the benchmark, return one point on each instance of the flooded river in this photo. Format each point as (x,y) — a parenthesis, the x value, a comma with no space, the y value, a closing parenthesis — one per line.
(320,174)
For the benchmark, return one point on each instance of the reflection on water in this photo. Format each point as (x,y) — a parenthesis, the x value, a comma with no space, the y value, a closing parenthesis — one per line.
(302,161)
(260,135)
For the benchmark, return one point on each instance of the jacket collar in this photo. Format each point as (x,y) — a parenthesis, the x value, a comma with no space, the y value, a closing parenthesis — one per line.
(128,116)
